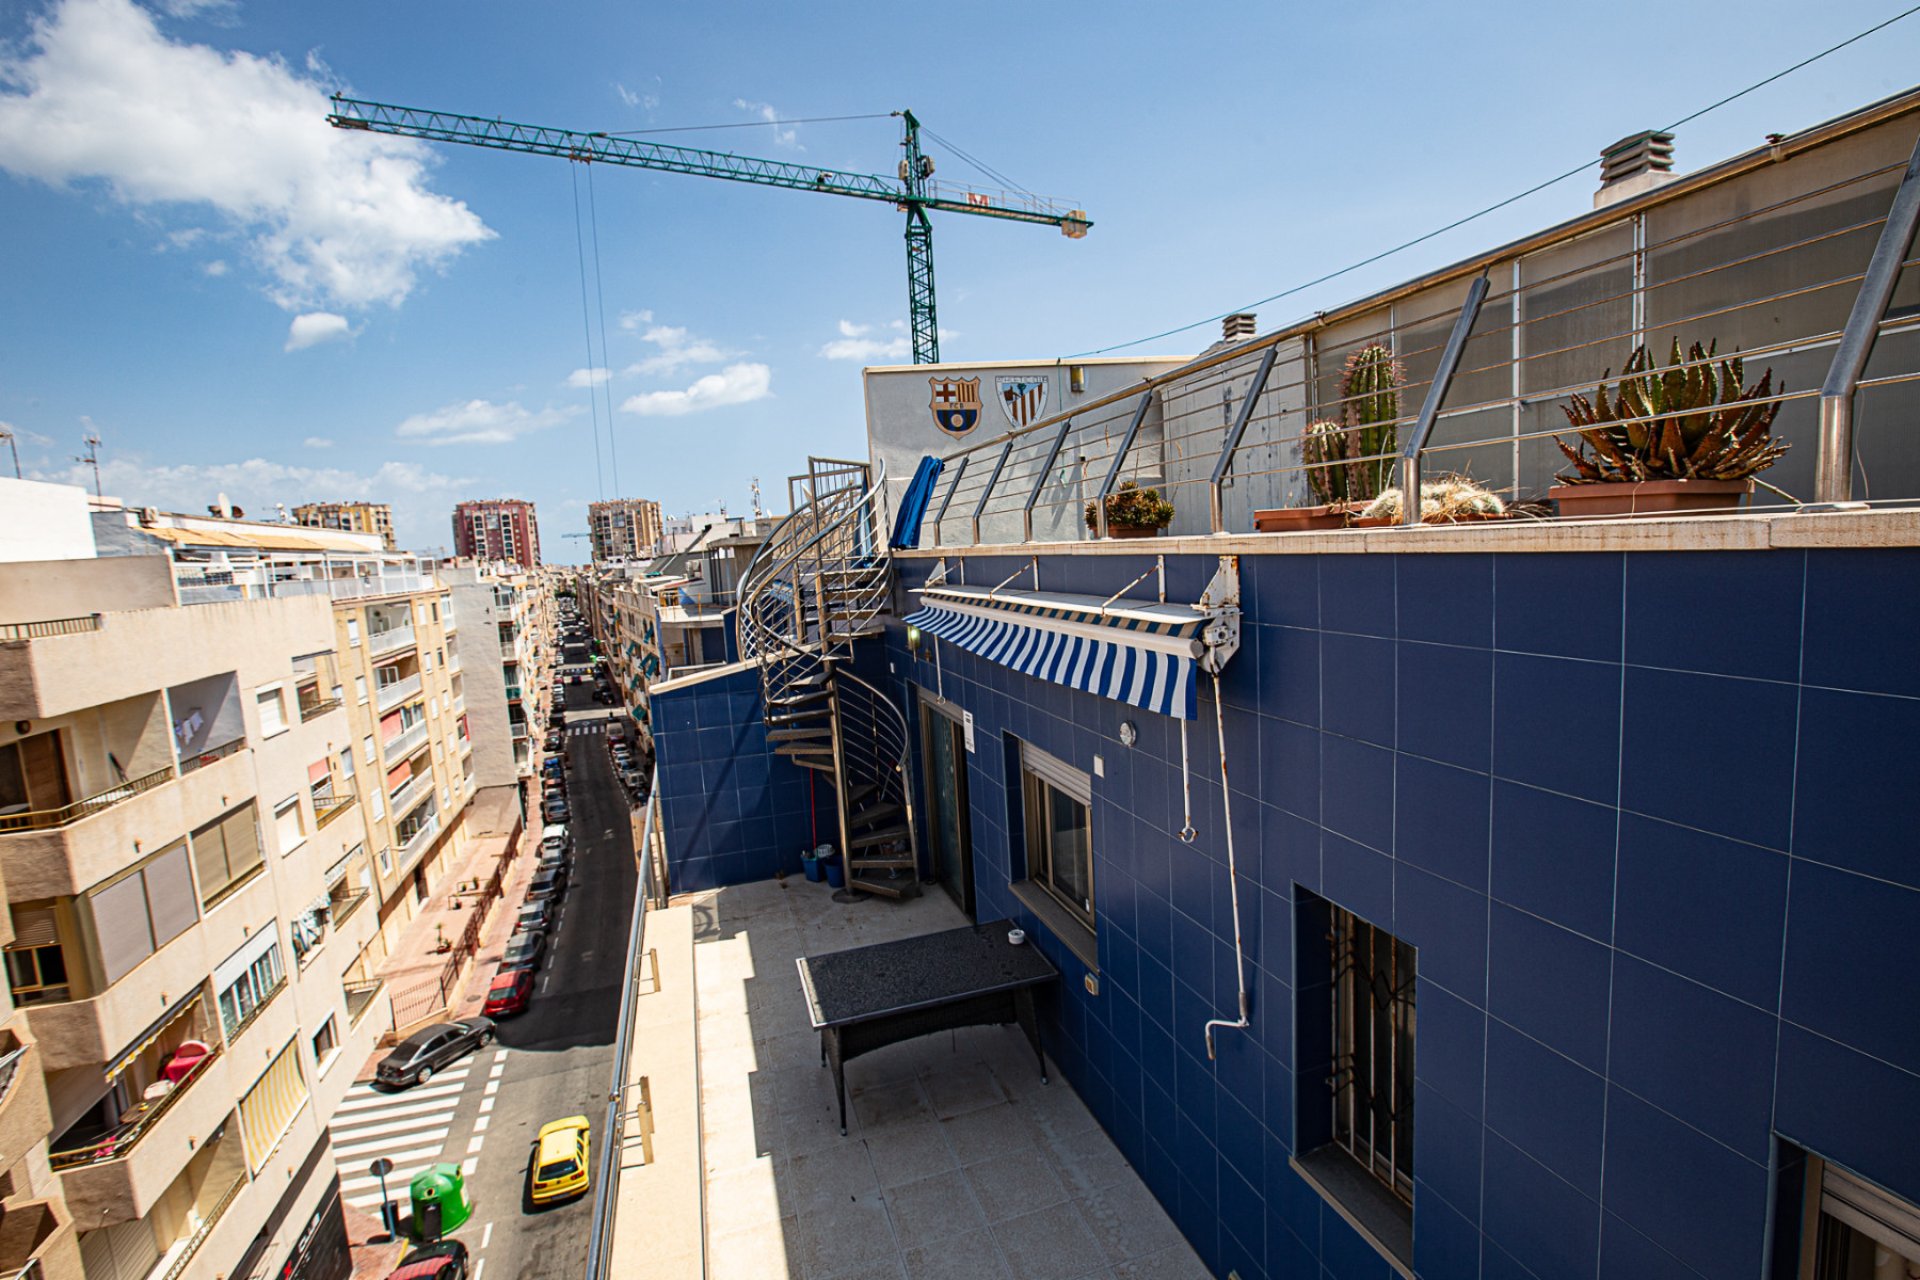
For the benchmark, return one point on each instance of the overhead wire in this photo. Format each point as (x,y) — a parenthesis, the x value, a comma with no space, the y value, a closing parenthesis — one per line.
(1498,205)
(600,297)
(981,165)
(593,404)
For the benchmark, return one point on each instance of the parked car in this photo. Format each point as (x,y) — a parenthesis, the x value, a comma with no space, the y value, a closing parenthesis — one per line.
(441,1260)
(511,992)
(560,1155)
(415,1059)
(555,836)
(555,809)
(549,883)
(534,917)
(524,951)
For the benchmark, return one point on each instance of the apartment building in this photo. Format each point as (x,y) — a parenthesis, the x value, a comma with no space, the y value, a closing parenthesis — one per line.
(497,529)
(624,528)
(349,517)
(183,848)
(508,614)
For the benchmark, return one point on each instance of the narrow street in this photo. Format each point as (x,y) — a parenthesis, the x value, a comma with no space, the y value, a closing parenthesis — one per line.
(552,1061)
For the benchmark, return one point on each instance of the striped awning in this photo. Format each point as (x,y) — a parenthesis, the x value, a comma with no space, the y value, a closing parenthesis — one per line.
(1139,653)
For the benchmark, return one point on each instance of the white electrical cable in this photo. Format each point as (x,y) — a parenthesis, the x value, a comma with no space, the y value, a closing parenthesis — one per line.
(1233,877)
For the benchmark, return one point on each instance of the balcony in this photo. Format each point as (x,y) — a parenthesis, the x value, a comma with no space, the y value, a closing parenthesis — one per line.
(312,708)
(509,651)
(51,627)
(328,805)
(37,1242)
(453,659)
(459,703)
(392,584)
(388,641)
(410,792)
(392,695)
(361,997)
(201,759)
(24,1118)
(414,845)
(121,1175)
(405,743)
(48,819)
(184,1249)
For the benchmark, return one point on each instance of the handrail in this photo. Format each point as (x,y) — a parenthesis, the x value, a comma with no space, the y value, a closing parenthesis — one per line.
(599,1237)
(980,507)
(1046,469)
(120,1143)
(1833,475)
(1217,513)
(327,806)
(45,819)
(947,501)
(207,1224)
(1113,472)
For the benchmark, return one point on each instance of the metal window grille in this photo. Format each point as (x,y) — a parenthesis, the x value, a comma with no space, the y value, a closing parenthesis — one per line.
(1373,1026)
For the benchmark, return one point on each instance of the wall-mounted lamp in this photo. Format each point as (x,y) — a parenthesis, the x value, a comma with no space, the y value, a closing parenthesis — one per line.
(1077,378)
(23,727)
(1129,733)
(913,640)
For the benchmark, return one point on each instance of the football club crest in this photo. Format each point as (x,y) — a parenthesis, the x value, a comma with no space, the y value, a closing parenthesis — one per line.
(1023,399)
(956,404)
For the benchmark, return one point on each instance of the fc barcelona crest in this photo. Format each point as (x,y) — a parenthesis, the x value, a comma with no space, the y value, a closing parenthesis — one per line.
(1023,399)
(956,404)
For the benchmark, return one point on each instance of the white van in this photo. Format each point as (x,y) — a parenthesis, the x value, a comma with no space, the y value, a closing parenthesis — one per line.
(554,838)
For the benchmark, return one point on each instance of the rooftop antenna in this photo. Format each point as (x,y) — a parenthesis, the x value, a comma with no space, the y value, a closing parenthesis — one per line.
(757,512)
(12,444)
(91,457)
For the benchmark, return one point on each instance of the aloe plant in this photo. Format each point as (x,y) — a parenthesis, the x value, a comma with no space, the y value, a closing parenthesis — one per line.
(1352,460)
(1693,420)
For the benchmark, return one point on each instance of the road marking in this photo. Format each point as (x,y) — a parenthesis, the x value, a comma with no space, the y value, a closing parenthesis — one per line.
(486,1104)
(486,1235)
(468,1165)
(493,1087)
(481,1122)
(476,1142)
(480,1267)
(421,1126)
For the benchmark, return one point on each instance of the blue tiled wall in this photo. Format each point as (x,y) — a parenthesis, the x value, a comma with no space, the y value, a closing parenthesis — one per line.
(732,810)
(1644,816)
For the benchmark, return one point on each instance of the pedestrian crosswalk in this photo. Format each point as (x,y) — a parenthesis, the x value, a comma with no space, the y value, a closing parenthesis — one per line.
(587,726)
(409,1128)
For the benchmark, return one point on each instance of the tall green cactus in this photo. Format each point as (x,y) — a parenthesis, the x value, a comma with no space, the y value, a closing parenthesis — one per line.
(1352,460)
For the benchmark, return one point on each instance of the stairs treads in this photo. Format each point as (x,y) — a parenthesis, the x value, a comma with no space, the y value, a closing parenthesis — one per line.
(795,717)
(885,835)
(885,888)
(810,733)
(823,763)
(800,699)
(871,814)
(861,863)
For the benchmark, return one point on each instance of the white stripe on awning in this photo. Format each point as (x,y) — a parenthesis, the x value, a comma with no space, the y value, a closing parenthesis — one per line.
(1147,670)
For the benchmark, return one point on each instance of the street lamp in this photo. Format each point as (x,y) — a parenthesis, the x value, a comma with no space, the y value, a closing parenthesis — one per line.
(389,1215)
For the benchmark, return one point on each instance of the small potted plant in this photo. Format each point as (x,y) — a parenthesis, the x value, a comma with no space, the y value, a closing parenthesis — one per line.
(1133,512)
(1350,461)
(1446,500)
(1685,438)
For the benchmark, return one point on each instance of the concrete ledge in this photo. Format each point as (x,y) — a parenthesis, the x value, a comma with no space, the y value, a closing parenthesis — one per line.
(1759,531)
(659,1218)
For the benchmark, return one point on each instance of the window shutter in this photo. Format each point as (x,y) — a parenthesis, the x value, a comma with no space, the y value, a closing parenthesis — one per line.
(170,900)
(33,927)
(270,1106)
(120,926)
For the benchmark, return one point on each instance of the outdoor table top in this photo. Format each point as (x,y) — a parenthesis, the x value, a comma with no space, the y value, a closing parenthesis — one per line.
(863,983)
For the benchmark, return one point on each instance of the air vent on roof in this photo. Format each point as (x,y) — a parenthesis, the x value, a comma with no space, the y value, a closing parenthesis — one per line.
(1636,163)
(1238,326)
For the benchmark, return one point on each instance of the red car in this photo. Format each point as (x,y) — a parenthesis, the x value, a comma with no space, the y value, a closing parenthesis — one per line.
(510,993)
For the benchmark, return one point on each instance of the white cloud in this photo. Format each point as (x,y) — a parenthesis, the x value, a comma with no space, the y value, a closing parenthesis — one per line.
(854,344)
(317,442)
(588,377)
(316,327)
(480,422)
(735,384)
(788,137)
(96,92)
(678,350)
(215,268)
(632,320)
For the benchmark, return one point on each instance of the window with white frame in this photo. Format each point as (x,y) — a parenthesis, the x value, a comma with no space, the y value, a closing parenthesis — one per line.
(326,1043)
(248,979)
(386,861)
(346,762)
(367,749)
(1056,813)
(273,712)
(288,826)
(353,631)
(360,689)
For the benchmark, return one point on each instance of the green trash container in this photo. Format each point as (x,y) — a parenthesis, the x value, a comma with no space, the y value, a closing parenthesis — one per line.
(440,1203)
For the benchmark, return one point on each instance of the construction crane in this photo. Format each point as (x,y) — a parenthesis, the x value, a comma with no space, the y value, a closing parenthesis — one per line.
(914,192)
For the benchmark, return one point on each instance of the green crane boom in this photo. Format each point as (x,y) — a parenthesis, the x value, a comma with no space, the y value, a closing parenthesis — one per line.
(914,192)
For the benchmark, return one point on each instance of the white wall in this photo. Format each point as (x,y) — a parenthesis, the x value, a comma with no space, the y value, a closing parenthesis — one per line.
(44,521)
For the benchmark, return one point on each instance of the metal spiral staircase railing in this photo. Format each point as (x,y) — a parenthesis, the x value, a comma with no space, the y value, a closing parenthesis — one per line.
(818,584)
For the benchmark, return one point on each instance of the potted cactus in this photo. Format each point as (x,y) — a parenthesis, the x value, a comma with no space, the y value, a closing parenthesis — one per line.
(1350,461)
(1685,438)
(1446,500)
(1133,512)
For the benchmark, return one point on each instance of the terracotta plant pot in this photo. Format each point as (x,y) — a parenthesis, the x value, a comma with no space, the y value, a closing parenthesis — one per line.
(1333,515)
(1650,497)
(1133,531)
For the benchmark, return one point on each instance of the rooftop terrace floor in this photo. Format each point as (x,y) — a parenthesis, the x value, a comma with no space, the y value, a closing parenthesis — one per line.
(957,1162)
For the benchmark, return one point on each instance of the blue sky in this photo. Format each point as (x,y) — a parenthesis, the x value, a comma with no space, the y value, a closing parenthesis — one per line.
(239,299)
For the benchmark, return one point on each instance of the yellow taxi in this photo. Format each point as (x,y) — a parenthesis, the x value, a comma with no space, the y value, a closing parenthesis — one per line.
(560,1160)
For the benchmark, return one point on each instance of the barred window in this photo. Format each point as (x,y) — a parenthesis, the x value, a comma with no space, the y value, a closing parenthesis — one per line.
(1373,1026)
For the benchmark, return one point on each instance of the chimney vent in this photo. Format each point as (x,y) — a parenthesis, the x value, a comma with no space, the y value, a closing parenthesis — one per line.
(1237,326)
(1636,163)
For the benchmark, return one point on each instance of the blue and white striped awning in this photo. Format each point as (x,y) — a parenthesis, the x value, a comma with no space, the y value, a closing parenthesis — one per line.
(1141,654)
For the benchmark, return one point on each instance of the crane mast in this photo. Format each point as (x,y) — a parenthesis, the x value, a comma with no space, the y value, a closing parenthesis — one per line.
(915,193)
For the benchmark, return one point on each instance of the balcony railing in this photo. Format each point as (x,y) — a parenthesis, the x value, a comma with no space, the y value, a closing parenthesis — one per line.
(51,627)
(201,759)
(44,819)
(392,584)
(419,785)
(509,651)
(208,1222)
(125,1137)
(313,708)
(422,837)
(406,742)
(391,695)
(360,997)
(453,661)
(459,703)
(328,805)
(247,1019)
(389,640)
(341,908)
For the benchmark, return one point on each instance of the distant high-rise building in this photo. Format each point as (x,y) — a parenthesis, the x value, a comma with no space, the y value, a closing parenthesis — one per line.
(350,517)
(497,529)
(624,528)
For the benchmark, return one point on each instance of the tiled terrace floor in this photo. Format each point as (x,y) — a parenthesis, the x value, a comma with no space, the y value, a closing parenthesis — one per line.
(957,1162)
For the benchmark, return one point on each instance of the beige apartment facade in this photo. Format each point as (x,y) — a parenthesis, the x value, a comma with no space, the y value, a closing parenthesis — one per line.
(624,529)
(184,845)
(349,517)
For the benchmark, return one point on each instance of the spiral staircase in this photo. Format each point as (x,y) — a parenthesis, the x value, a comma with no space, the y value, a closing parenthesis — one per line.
(816,586)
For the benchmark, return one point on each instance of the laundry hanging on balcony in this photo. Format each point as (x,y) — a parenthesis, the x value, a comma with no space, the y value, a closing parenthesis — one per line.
(1139,652)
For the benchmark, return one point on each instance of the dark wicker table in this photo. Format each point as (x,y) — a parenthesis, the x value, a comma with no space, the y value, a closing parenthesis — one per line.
(870,997)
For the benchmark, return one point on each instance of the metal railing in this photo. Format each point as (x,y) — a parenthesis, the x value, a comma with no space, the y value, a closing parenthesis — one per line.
(239,1025)
(51,627)
(31,1269)
(390,639)
(360,997)
(208,1222)
(317,707)
(328,805)
(406,742)
(390,695)
(607,1193)
(45,819)
(392,584)
(120,1143)
(341,908)
(412,790)
(422,836)
(1795,275)
(209,755)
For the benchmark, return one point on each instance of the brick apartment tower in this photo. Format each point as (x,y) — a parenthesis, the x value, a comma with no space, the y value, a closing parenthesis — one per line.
(497,529)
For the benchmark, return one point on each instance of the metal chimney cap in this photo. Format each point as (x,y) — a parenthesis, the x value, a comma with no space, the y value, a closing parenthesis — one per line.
(1651,150)
(1238,325)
